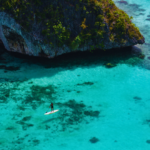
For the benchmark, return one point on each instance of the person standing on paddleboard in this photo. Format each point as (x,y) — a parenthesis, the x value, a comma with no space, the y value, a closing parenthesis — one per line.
(52,108)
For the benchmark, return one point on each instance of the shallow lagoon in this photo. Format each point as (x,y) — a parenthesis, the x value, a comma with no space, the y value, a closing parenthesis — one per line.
(99,107)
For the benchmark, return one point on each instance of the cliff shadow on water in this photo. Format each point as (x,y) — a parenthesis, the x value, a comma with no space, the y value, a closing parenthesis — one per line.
(113,57)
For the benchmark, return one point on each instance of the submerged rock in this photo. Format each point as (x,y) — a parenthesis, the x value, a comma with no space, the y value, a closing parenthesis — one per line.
(51,28)
(142,56)
(148,141)
(94,140)
(109,65)
(137,98)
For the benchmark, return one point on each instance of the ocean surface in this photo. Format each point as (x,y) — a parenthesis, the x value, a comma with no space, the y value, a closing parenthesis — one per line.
(100,108)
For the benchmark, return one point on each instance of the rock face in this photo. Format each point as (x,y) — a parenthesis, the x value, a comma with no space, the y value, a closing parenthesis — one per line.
(51,28)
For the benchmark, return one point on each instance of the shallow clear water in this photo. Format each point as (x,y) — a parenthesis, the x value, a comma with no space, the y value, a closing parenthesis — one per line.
(99,107)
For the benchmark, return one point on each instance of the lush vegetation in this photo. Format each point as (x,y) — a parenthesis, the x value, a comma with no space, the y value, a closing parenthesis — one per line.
(52,21)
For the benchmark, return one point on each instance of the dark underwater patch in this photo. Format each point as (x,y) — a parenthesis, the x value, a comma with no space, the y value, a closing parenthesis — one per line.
(141,14)
(94,140)
(147,44)
(137,98)
(86,83)
(37,93)
(148,141)
(10,128)
(141,10)
(26,118)
(4,94)
(18,141)
(10,68)
(21,107)
(134,5)
(147,121)
(47,127)
(123,2)
(21,140)
(92,113)
(30,82)
(24,125)
(36,142)
(72,113)
(72,104)
(3,99)
(6,88)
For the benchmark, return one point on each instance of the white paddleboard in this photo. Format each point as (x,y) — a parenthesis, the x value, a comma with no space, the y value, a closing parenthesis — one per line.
(50,112)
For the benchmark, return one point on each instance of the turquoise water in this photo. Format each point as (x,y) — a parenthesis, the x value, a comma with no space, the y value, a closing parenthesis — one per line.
(99,107)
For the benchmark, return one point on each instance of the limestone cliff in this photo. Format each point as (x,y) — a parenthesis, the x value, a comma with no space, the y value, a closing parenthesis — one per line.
(50,28)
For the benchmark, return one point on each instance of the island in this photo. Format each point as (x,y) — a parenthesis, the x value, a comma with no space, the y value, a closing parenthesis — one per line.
(51,28)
